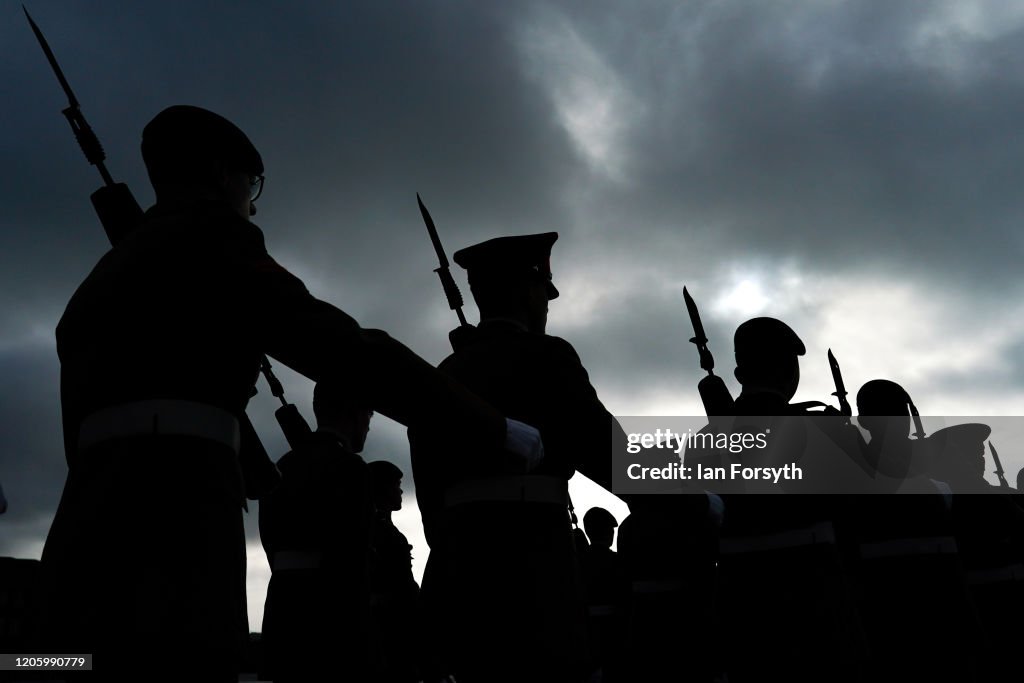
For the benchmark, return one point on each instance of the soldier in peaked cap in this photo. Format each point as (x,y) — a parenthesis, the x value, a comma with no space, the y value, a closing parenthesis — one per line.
(159,348)
(502,574)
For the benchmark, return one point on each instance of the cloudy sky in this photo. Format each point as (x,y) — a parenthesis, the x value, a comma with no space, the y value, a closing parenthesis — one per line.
(849,167)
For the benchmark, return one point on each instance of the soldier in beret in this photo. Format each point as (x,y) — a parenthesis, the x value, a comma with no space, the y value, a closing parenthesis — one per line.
(159,349)
(502,577)
(786,602)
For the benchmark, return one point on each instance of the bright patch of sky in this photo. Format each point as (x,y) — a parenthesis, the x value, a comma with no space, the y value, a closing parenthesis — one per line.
(591,101)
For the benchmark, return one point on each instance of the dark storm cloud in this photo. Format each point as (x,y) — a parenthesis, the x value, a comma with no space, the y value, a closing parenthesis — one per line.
(827,132)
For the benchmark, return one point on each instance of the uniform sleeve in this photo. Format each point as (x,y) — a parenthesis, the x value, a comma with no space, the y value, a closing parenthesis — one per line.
(588,430)
(320,341)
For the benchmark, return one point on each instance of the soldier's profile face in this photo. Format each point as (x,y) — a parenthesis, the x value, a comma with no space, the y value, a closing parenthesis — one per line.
(393,500)
(237,192)
(537,304)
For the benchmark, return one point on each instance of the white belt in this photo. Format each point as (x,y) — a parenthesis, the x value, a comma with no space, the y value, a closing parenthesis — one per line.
(667,586)
(818,534)
(521,489)
(903,547)
(161,417)
(285,560)
(1009,573)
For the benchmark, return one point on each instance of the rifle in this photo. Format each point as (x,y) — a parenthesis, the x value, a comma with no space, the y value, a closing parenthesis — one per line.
(713,392)
(117,209)
(296,429)
(460,335)
(119,214)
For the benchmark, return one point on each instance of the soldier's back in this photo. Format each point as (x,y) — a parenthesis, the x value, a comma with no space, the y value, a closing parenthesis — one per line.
(503,570)
(315,528)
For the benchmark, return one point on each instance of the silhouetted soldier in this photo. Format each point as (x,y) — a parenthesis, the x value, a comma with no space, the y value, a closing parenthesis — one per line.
(394,592)
(3,501)
(883,409)
(607,590)
(917,614)
(990,537)
(315,529)
(668,546)
(159,348)
(786,605)
(501,586)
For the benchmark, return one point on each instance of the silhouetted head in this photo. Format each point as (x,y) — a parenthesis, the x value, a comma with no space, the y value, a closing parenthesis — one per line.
(767,352)
(510,277)
(1020,480)
(600,527)
(958,453)
(386,485)
(337,411)
(883,405)
(193,154)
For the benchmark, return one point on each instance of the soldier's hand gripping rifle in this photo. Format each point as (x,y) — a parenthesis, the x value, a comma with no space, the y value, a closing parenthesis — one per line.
(713,392)
(119,214)
(460,334)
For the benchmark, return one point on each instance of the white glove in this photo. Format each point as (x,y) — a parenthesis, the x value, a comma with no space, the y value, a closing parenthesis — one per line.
(524,441)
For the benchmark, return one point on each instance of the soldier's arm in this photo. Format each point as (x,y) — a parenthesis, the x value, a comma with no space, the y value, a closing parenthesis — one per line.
(589,429)
(320,341)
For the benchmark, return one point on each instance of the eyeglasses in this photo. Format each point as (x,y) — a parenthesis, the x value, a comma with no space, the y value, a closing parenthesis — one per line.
(255,187)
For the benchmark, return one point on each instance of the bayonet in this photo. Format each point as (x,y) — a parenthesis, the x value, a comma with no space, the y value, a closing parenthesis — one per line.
(84,134)
(451,290)
(920,433)
(840,392)
(999,472)
(707,361)
(117,209)
(713,392)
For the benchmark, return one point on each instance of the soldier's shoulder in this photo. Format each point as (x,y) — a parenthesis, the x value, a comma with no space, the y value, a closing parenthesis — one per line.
(557,345)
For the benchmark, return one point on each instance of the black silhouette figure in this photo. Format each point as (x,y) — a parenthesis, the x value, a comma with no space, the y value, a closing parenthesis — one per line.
(3,501)
(902,552)
(315,529)
(501,586)
(159,349)
(990,539)
(607,590)
(394,592)
(883,409)
(785,600)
